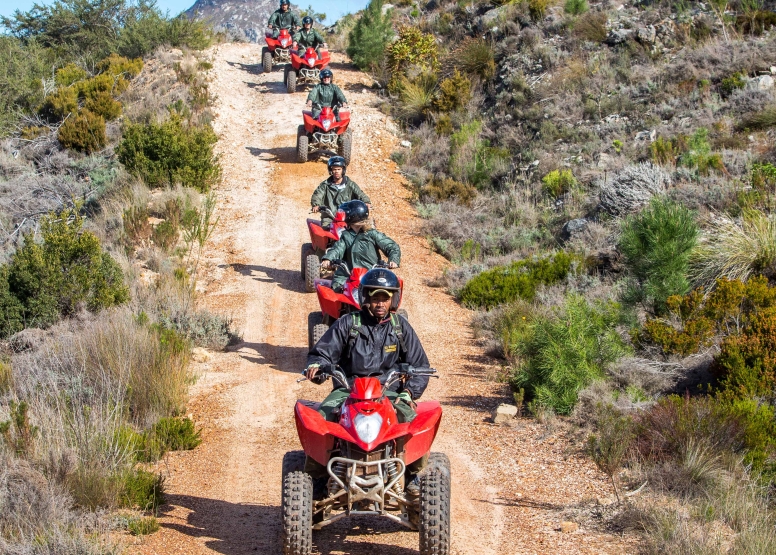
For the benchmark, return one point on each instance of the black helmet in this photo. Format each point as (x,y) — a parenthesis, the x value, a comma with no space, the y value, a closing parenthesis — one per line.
(307,19)
(337,161)
(381,279)
(355,211)
(326,73)
(285,3)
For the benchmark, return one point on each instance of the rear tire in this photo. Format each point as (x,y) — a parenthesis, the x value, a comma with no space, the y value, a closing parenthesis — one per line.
(312,272)
(266,60)
(293,461)
(307,249)
(314,320)
(345,146)
(297,511)
(301,145)
(434,524)
(291,82)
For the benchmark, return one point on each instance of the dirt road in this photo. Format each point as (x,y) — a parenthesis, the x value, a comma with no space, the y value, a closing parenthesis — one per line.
(510,485)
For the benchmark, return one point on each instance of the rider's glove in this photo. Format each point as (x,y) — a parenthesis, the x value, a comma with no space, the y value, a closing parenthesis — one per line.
(312,374)
(406,397)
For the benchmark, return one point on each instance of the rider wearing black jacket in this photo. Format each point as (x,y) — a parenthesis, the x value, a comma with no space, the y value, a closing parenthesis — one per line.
(370,343)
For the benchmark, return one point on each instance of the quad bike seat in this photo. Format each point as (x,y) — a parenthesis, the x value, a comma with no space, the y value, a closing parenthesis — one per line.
(308,112)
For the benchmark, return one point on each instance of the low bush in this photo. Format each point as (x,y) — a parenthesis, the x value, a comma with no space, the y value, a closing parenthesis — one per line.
(142,490)
(729,84)
(732,250)
(202,328)
(656,245)
(85,132)
(575,7)
(561,354)
(757,121)
(699,155)
(60,104)
(609,446)
(633,187)
(142,525)
(474,56)
(176,434)
(756,22)
(416,97)
(537,8)
(103,105)
(558,182)
(165,235)
(368,39)
(69,74)
(473,159)
(667,151)
(454,93)
(46,281)
(412,49)
(446,188)
(519,280)
(591,26)
(171,152)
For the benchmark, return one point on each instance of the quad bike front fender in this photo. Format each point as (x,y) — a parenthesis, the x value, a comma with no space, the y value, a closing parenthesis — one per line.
(319,237)
(316,434)
(330,301)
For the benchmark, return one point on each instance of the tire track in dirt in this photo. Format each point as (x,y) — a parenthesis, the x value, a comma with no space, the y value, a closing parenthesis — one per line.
(224,497)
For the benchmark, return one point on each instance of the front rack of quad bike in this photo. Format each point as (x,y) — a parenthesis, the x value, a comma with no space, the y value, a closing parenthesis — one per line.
(309,74)
(326,139)
(369,488)
(282,55)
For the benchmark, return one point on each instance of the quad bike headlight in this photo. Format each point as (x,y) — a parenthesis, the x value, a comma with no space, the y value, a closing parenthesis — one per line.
(368,426)
(284,42)
(311,61)
(326,124)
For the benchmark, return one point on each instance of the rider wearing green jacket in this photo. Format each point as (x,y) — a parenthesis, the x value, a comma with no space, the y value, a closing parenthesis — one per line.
(336,190)
(307,37)
(359,245)
(283,18)
(326,94)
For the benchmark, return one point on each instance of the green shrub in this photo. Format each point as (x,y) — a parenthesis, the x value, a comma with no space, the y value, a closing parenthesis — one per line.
(115,65)
(137,228)
(558,182)
(537,8)
(165,235)
(103,105)
(6,377)
(730,84)
(575,7)
(69,74)
(85,132)
(519,280)
(48,280)
(142,490)
(667,151)
(18,433)
(699,156)
(368,39)
(656,245)
(412,48)
(696,319)
(756,22)
(454,93)
(142,525)
(416,97)
(60,104)
(23,67)
(202,328)
(474,160)
(101,84)
(609,447)
(171,152)
(176,434)
(563,353)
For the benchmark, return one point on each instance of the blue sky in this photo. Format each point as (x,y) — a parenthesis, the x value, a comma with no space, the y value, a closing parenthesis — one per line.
(332,8)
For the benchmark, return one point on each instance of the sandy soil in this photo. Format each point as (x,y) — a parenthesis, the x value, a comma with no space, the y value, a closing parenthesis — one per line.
(512,486)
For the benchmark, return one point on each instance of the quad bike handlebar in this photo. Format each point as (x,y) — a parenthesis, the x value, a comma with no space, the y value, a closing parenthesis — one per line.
(398,373)
(337,263)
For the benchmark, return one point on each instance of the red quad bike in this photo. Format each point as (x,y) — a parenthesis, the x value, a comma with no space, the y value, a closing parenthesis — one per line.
(333,304)
(366,455)
(321,239)
(277,49)
(304,68)
(324,133)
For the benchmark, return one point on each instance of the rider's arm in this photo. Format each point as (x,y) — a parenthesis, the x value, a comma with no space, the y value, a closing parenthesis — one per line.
(337,250)
(388,246)
(416,357)
(358,194)
(339,96)
(272,19)
(318,195)
(312,96)
(329,348)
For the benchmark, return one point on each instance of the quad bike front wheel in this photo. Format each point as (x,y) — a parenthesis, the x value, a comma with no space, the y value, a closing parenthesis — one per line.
(307,249)
(434,521)
(266,59)
(297,511)
(301,145)
(312,271)
(291,81)
(345,145)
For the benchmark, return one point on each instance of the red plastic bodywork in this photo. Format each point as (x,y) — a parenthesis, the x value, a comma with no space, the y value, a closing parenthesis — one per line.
(318,436)
(312,125)
(321,238)
(309,59)
(284,40)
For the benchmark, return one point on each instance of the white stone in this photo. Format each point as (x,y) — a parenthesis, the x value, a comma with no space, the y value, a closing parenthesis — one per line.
(763,83)
(504,413)
(406,144)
